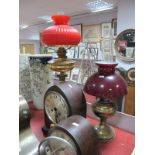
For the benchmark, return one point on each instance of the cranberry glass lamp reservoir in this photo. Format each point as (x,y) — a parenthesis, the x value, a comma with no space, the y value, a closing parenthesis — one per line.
(61,35)
(107,86)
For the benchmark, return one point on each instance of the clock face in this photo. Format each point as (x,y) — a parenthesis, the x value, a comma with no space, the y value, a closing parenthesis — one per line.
(63,135)
(131,74)
(56,146)
(56,107)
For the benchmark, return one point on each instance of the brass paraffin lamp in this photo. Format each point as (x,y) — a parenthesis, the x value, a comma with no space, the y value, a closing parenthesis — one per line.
(107,86)
(61,35)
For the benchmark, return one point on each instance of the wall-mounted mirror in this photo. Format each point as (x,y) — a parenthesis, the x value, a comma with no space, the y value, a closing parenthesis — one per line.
(125,45)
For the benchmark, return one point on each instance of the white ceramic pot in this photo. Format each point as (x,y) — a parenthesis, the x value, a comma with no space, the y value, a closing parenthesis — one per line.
(41,78)
(24,77)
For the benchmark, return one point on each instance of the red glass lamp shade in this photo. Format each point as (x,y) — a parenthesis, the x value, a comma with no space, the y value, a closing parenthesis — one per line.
(106,83)
(61,33)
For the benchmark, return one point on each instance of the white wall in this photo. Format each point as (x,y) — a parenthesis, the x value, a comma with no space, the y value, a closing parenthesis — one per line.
(125,15)
(33,32)
(95,18)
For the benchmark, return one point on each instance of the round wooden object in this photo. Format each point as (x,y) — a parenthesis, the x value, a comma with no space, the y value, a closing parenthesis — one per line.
(81,132)
(74,97)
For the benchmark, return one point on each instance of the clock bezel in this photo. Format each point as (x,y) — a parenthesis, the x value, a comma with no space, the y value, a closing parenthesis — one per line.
(67,133)
(130,80)
(48,121)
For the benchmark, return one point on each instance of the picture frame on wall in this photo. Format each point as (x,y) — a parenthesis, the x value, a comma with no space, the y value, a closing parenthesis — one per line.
(114,26)
(106,45)
(91,33)
(75,74)
(113,46)
(106,30)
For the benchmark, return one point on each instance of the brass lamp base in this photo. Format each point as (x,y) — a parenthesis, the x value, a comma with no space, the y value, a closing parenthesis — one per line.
(105,132)
(104,108)
(62,64)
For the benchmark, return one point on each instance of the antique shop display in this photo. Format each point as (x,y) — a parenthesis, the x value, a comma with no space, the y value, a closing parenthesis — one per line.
(41,78)
(28,143)
(125,45)
(61,35)
(24,77)
(108,87)
(73,136)
(62,101)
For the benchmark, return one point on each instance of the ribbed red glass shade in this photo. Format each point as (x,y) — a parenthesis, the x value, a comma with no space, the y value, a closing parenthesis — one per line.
(106,83)
(61,33)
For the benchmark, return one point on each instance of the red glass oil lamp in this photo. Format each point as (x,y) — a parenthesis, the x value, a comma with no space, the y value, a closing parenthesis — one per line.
(108,87)
(61,35)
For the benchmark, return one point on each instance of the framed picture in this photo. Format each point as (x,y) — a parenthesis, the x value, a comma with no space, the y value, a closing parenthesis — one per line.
(106,30)
(91,33)
(114,26)
(106,43)
(113,46)
(75,74)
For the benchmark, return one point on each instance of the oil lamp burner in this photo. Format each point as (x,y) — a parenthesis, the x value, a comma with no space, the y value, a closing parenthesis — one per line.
(62,36)
(107,86)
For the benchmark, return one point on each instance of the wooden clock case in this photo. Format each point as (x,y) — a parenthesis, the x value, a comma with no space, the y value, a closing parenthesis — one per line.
(74,97)
(82,133)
